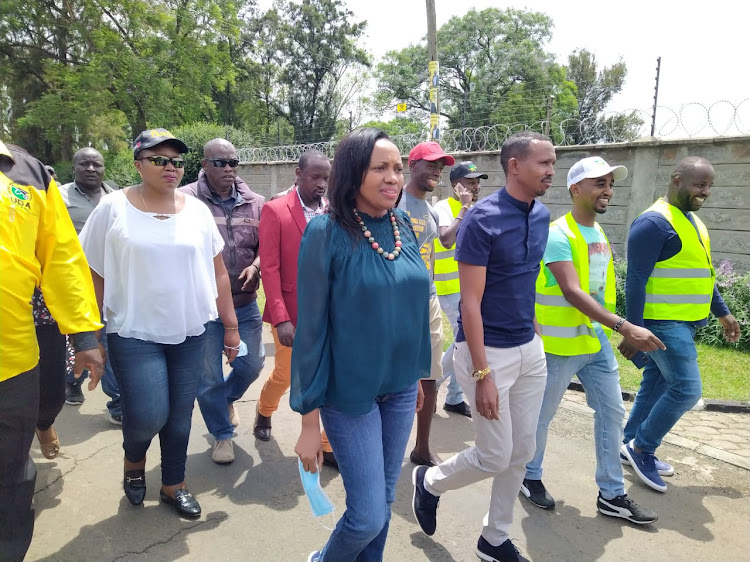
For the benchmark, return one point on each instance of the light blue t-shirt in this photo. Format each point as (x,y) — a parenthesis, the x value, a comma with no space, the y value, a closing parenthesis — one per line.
(558,249)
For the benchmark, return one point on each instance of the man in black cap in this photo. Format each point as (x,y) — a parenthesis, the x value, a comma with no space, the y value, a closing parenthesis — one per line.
(465,182)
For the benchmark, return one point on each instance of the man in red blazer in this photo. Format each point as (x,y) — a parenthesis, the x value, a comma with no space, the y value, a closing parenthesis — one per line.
(282,222)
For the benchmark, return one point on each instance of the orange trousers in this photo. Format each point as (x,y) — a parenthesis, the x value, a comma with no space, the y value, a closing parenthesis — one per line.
(278,383)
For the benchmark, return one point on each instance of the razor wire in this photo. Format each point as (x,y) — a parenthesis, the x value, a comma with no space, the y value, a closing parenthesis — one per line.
(719,119)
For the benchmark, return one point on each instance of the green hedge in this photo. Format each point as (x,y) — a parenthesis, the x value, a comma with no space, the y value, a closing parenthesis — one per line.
(734,288)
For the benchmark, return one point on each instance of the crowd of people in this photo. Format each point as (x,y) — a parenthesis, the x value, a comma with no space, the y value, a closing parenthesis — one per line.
(147,289)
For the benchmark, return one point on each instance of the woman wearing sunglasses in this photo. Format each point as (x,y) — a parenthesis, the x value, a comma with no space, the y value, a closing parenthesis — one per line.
(155,256)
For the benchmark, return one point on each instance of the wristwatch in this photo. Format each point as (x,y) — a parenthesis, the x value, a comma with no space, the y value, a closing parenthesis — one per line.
(481,373)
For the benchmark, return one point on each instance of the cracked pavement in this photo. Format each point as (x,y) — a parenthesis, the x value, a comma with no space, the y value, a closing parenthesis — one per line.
(255,508)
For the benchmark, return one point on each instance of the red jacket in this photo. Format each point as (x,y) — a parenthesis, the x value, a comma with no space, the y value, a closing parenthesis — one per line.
(282,223)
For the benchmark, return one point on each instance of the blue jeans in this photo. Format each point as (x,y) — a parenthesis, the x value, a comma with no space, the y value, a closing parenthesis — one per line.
(158,386)
(671,385)
(109,383)
(215,393)
(370,451)
(601,380)
(449,304)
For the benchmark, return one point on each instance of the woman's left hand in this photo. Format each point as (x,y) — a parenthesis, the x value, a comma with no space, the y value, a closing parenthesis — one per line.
(231,344)
(420,396)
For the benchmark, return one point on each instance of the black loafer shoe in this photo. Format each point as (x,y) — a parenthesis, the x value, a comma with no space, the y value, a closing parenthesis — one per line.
(329,459)
(184,503)
(262,428)
(463,408)
(134,485)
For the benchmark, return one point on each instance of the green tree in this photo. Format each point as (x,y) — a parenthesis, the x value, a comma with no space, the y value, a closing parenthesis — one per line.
(308,53)
(596,88)
(493,66)
(400,126)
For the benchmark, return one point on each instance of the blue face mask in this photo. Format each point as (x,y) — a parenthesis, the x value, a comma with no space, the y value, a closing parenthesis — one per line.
(243,349)
(320,503)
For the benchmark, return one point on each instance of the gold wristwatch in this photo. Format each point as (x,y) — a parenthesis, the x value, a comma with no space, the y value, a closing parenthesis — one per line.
(481,373)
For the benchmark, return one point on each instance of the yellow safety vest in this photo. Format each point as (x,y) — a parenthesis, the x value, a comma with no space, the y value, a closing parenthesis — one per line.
(565,329)
(446,267)
(681,287)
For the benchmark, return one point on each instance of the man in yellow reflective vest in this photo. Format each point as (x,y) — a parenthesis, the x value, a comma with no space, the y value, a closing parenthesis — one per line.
(575,304)
(670,289)
(464,179)
(38,248)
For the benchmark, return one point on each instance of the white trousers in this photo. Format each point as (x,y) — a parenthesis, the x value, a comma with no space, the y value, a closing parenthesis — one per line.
(504,446)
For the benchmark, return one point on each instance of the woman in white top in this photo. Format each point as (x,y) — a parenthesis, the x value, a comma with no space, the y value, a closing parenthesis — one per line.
(155,256)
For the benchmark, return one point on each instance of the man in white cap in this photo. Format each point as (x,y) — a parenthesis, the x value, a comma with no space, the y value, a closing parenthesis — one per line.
(575,310)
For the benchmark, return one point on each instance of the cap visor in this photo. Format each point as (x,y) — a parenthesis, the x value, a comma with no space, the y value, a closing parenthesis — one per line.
(476,175)
(449,160)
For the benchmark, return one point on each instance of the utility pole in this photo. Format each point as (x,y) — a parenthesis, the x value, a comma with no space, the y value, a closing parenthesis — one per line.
(434,71)
(550,99)
(656,95)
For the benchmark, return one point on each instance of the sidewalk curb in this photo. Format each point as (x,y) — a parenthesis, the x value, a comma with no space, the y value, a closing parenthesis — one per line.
(726,406)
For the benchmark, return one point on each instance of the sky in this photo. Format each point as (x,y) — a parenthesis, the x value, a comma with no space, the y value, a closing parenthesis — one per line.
(703,47)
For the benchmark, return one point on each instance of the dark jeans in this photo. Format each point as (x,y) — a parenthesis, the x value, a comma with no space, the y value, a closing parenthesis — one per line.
(158,386)
(52,352)
(19,406)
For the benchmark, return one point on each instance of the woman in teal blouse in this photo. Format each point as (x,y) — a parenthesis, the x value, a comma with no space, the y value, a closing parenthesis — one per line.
(362,339)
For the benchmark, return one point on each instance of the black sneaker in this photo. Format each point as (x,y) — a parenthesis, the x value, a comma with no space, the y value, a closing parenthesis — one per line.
(73,393)
(506,552)
(462,408)
(537,494)
(625,508)
(423,503)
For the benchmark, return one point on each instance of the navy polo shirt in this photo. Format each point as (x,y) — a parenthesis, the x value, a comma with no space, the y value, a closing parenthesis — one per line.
(508,237)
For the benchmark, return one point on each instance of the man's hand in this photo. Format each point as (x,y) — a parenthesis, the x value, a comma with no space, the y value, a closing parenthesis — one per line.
(488,399)
(309,448)
(251,275)
(420,397)
(286,332)
(93,360)
(731,328)
(465,196)
(640,338)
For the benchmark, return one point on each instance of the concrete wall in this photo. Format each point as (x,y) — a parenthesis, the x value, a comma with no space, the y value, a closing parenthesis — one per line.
(726,213)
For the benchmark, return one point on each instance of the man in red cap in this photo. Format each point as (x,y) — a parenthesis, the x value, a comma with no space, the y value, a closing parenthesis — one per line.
(426,163)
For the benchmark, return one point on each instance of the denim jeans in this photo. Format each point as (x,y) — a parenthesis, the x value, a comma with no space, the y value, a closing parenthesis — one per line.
(601,380)
(671,385)
(449,304)
(215,393)
(158,386)
(109,383)
(370,451)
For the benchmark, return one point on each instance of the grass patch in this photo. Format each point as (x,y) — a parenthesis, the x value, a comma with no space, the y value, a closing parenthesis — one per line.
(725,372)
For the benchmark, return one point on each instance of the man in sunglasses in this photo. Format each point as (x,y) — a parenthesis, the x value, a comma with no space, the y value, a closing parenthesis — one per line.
(236,210)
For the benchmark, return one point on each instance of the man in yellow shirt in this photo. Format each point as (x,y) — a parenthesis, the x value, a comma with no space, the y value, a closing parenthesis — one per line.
(38,248)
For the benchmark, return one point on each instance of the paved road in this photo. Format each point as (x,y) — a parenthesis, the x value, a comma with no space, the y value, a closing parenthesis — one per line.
(254,509)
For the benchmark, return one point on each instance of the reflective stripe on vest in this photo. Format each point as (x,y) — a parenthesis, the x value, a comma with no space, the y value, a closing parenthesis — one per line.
(681,288)
(566,330)
(446,268)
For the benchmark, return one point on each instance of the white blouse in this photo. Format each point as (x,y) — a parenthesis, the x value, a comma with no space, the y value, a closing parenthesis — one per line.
(159,280)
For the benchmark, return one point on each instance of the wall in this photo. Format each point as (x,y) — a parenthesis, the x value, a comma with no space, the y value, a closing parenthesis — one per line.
(726,213)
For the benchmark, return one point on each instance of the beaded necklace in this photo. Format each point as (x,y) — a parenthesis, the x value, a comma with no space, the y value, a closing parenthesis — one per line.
(375,246)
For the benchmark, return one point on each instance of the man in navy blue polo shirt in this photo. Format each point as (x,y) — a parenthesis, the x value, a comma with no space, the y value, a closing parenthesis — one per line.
(499,358)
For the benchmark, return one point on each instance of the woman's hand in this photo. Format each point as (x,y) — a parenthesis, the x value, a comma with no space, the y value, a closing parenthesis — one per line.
(420,397)
(231,344)
(309,447)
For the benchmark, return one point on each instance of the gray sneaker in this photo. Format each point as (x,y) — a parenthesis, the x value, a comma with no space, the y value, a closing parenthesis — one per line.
(74,393)
(537,494)
(625,508)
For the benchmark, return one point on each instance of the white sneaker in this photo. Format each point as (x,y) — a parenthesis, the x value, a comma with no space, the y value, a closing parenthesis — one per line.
(234,417)
(223,452)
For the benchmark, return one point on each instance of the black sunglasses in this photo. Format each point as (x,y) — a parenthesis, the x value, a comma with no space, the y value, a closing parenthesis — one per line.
(162,161)
(221,162)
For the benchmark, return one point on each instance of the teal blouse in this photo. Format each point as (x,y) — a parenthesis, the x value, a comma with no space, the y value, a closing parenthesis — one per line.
(363,321)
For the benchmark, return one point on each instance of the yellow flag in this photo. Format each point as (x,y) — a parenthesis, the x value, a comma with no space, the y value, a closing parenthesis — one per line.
(401,107)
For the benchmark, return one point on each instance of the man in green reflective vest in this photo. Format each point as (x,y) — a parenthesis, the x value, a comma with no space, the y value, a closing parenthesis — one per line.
(465,183)
(575,304)
(670,289)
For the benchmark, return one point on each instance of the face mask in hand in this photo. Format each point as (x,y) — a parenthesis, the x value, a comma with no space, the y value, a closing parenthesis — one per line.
(320,503)
(240,353)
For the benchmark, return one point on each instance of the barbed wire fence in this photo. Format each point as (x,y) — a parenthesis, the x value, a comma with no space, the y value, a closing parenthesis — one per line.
(719,119)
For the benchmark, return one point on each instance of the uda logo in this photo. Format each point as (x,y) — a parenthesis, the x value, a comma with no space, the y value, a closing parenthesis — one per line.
(21,194)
